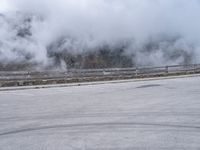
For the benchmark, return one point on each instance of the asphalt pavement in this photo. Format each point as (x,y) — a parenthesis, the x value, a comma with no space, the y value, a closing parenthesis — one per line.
(143,115)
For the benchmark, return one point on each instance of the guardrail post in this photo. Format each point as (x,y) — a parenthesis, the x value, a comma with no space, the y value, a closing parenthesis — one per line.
(167,69)
(195,68)
(136,71)
(29,74)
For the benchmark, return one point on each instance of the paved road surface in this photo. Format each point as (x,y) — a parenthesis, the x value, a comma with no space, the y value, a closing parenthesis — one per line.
(146,115)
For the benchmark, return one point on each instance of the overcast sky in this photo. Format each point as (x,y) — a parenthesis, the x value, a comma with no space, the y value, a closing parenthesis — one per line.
(4,5)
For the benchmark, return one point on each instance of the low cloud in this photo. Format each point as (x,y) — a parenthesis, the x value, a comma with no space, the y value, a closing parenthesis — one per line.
(156,32)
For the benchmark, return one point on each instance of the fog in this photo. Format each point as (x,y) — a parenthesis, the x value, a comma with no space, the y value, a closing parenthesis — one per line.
(151,32)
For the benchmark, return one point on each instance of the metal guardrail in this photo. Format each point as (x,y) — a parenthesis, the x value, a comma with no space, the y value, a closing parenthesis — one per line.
(137,71)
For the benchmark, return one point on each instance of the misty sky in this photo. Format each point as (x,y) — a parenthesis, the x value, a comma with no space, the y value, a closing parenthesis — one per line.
(4,6)
(93,23)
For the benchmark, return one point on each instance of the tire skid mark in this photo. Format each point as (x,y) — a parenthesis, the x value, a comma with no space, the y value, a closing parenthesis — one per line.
(97,115)
(114,124)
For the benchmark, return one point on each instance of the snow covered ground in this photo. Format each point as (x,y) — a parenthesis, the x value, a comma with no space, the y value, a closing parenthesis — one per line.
(159,114)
